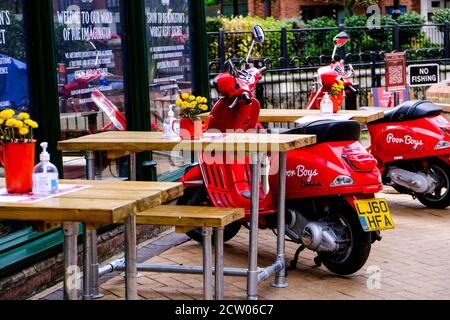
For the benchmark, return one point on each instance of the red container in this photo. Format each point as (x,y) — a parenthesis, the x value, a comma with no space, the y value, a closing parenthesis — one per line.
(190,129)
(18,160)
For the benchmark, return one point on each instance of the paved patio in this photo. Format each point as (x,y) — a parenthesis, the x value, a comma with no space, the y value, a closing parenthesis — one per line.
(413,259)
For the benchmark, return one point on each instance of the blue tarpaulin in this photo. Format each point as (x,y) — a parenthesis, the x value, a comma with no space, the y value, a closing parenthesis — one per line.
(13,84)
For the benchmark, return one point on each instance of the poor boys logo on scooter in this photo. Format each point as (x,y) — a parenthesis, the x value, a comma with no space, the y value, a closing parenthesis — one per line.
(306,175)
(408,140)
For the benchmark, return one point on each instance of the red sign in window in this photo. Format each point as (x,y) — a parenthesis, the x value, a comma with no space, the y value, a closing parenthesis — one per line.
(395,71)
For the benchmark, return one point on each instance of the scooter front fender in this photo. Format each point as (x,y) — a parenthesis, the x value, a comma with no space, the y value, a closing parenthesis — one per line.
(192,177)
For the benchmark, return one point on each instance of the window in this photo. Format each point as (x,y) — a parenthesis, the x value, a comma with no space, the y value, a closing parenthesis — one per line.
(435,4)
(390,9)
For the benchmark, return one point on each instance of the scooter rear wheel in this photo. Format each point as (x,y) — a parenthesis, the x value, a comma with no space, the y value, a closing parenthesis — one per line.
(197,196)
(355,255)
(440,198)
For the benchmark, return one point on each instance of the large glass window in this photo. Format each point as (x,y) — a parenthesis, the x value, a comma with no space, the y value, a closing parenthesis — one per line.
(169,44)
(90,72)
(13,75)
(13,65)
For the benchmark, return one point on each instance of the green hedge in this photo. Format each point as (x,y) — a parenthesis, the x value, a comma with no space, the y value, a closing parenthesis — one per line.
(314,43)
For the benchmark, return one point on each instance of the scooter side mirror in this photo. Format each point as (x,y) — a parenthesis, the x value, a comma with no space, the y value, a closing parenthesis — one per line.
(258,34)
(341,39)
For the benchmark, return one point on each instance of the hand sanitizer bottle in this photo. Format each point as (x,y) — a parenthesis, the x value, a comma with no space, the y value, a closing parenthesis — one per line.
(326,105)
(45,174)
(170,125)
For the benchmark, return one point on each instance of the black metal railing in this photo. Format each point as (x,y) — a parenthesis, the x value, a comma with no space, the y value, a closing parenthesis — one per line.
(291,70)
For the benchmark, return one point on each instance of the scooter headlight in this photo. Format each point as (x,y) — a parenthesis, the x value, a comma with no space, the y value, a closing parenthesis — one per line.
(342,180)
(442,145)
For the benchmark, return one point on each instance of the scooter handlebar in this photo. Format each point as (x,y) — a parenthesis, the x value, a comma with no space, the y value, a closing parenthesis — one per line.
(262,70)
(246,97)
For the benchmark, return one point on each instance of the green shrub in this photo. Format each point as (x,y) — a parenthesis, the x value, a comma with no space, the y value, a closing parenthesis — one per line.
(409,35)
(237,45)
(213,24)
(320,41)
(441,16)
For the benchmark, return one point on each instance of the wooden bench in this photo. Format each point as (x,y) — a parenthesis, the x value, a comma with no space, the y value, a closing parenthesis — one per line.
(186,218)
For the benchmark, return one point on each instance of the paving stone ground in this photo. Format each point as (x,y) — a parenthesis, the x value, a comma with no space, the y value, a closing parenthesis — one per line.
(413,259)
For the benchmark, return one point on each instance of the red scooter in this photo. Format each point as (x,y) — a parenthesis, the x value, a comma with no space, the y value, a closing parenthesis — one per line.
(412,145)
(327,184)
(411,142)
(329,77)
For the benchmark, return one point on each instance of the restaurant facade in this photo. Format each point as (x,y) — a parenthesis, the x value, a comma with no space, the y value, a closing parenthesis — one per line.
(85,66)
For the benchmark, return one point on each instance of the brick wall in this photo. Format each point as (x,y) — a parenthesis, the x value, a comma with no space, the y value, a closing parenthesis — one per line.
(290,8)
(48,272)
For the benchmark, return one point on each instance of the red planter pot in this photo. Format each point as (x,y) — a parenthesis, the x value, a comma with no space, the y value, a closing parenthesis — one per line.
(17,159)
(190,129)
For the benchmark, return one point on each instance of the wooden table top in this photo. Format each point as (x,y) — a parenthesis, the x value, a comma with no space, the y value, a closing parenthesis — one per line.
(103,203)
(134,141)
(192,216)
(291,115)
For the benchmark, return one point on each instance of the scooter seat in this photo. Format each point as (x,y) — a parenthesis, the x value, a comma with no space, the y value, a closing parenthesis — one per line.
(410,110)
(330,130)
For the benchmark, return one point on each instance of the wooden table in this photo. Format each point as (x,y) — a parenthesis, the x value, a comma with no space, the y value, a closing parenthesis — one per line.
(255,144)
(102,203)
(291,115)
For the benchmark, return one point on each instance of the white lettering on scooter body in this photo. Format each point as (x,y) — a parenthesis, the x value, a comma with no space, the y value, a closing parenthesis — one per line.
(408,140)
(301,172)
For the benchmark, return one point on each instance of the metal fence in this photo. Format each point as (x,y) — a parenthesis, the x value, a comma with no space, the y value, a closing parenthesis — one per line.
(298,53)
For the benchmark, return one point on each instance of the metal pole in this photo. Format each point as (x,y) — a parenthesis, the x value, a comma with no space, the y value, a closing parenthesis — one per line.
(92,235)
(280,277)
(207,264)
(95,266)
(133,167)
(87,264)
(90,165)
(219,264)
(252,280)
(130,258)
(70,261)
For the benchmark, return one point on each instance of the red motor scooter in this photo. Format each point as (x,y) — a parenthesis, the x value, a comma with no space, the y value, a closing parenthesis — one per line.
(411,144)
(327,184)
(335,74)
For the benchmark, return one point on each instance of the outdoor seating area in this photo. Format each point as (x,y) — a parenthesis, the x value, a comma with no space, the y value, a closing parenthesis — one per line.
(224,152)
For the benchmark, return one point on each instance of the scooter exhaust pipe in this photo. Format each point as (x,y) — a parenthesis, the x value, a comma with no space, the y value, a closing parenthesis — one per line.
(417,182)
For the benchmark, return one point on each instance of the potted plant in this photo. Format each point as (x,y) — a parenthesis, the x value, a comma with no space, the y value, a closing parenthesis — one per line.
(17,148)
(337,95)
(190,123)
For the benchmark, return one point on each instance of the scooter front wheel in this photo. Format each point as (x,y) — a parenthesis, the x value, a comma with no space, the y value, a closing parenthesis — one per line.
(440,198)
(355,254)
(197,196)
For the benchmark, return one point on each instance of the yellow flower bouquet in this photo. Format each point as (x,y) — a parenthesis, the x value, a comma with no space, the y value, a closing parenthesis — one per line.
(17,148)
(16,128)
(337,88)
(192,105)
(190,123)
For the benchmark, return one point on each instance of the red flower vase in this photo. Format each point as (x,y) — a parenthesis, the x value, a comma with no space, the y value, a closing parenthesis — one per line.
(17,159)
(337,100)
(190,129)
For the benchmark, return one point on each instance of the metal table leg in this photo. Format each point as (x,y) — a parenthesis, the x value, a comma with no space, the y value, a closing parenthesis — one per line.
(94,286)
(87,263)
(95,266)
(130,258)
(70,261)
(133,167)
(207,264)
(252,280)
(280,277)
(219,264)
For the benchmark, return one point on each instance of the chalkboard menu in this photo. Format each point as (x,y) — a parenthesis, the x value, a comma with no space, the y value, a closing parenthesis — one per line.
(169,44)
(90,69)
(13,60)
